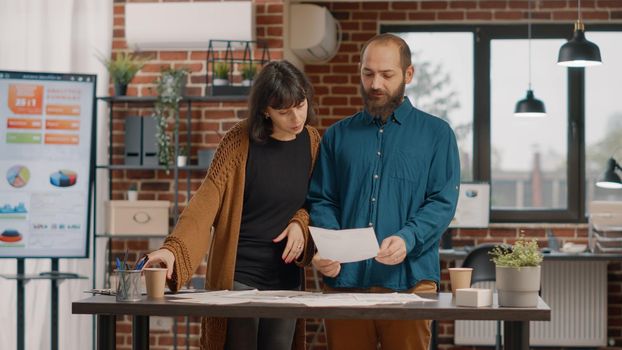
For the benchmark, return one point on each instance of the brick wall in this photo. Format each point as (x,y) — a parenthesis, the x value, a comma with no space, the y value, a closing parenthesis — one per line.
(336,85)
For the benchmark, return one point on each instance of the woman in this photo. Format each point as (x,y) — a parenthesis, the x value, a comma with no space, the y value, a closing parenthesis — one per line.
(253,196)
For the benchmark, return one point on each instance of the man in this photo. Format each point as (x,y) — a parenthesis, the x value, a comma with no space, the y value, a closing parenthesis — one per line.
(396,169)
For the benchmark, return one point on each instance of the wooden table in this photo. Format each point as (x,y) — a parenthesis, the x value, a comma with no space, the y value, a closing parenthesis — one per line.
(516,325)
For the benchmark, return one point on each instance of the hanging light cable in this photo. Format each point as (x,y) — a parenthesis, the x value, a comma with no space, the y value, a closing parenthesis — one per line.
(578,51)
(530,106)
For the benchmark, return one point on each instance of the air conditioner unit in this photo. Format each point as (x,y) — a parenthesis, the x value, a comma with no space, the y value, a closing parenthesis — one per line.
(315,35)
(187,25)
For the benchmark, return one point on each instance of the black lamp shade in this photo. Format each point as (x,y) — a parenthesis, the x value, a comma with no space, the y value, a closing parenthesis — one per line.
(530,107)
(610,179)
(579,52)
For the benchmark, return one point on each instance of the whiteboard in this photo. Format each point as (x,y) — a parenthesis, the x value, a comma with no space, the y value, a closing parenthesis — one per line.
(473,209)
(46,162)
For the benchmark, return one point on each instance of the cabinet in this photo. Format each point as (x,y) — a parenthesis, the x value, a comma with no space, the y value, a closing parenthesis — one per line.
(115,165)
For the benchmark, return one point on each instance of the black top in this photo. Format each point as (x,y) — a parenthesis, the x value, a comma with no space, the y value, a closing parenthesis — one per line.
(277,178)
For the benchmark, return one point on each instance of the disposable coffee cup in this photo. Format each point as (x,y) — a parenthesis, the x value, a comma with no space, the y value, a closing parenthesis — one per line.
(128,285)
(460,277)
(155,279)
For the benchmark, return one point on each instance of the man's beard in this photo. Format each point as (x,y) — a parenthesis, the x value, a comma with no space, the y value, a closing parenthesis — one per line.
(382,110)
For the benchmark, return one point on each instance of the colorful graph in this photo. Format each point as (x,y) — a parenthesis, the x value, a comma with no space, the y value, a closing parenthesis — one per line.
(18,176)
(64,178)
(10,236)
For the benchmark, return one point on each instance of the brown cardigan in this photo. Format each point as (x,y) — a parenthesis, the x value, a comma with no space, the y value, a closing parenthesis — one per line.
(218,203)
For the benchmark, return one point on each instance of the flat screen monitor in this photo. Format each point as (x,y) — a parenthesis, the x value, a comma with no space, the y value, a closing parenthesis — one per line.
(46,164)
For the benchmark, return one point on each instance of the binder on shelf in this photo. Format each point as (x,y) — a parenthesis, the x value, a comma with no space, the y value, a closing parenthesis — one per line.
(141,147)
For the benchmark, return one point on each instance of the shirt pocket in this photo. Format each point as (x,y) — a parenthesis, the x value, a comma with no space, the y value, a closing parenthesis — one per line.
(407,166)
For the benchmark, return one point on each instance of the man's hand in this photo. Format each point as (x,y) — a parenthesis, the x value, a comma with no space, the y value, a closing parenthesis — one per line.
(328,268)
(392,251)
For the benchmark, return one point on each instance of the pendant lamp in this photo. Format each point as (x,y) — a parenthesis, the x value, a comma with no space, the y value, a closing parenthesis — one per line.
(578,51)
(530,106)
(610,179)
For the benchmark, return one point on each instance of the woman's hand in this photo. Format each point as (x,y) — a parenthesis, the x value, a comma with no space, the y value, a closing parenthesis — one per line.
(295,242)
(328,268)
(162,257)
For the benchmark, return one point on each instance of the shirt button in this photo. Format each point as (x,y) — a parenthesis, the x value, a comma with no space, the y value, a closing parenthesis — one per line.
(370,224)
(378,153)
(373,199)
(376,176)
(381,131)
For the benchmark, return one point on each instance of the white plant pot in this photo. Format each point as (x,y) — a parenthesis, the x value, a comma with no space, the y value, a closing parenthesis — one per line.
(181,161)
(221,82)
(132,195)
(518,287)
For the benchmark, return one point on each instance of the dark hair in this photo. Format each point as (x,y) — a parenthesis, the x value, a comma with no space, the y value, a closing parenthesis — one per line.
(278,85)
(405,55)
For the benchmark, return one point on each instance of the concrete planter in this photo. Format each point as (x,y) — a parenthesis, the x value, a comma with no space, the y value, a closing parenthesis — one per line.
(518,287)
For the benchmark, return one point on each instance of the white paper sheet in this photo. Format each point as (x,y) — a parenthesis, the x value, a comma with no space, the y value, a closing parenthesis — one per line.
(227,297)
(345,245)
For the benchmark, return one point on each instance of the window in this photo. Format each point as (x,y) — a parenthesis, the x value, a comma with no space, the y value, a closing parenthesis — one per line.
(539,169)
(603,115)
(443,85)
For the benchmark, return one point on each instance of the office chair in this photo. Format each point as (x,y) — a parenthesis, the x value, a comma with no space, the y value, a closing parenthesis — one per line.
(483,271)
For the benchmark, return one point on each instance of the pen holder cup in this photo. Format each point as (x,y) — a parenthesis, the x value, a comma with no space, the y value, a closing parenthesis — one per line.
(128,285)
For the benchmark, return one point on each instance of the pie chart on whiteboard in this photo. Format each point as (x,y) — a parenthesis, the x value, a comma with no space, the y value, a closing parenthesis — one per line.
(63,178)
(18,176)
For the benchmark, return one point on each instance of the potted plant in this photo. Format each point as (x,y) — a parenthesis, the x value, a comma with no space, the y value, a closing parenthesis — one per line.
(248,71)
(122,68)
(518,273)
(182,157)
(132,192)
(170,87)
(221,74)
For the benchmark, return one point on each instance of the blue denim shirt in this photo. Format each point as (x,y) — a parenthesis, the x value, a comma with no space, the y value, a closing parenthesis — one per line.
(401,177)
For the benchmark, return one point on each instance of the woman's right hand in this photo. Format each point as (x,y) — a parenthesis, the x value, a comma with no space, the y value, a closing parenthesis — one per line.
(328,268)
(162,256)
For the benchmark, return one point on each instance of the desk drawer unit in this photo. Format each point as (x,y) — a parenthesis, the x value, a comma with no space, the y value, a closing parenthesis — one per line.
(576,292)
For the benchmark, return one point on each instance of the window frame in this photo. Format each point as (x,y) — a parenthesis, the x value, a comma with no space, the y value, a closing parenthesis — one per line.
(482,37)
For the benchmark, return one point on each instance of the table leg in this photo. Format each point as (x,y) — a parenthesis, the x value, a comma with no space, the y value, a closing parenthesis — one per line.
(516,335)
(106,332)
(140,332)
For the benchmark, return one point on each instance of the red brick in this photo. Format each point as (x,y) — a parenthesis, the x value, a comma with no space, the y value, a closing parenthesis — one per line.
(616,14)
(275,31)
(406,5)
(346,6)
(376,6)
(393,16)
(421,16)
(434,5)
(173,55)
(502,232)
(565,15)
(508,15)
(595,15)
(268,19)
(450,15)
(275,8)
(462,4)
(480,15)
(365,15)
(372,25)
(493,4)
(349,25)
(473,233)
(553,4)
(515,4)
(609,3)
(334,101)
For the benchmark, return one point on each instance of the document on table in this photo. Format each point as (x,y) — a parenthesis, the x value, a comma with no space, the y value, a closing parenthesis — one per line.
(345,245)
(227,297)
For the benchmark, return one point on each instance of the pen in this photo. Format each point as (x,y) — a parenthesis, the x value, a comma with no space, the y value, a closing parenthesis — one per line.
(142,262)
(119,268)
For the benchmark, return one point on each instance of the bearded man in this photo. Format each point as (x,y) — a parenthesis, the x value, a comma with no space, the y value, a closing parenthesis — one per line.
(396,169)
